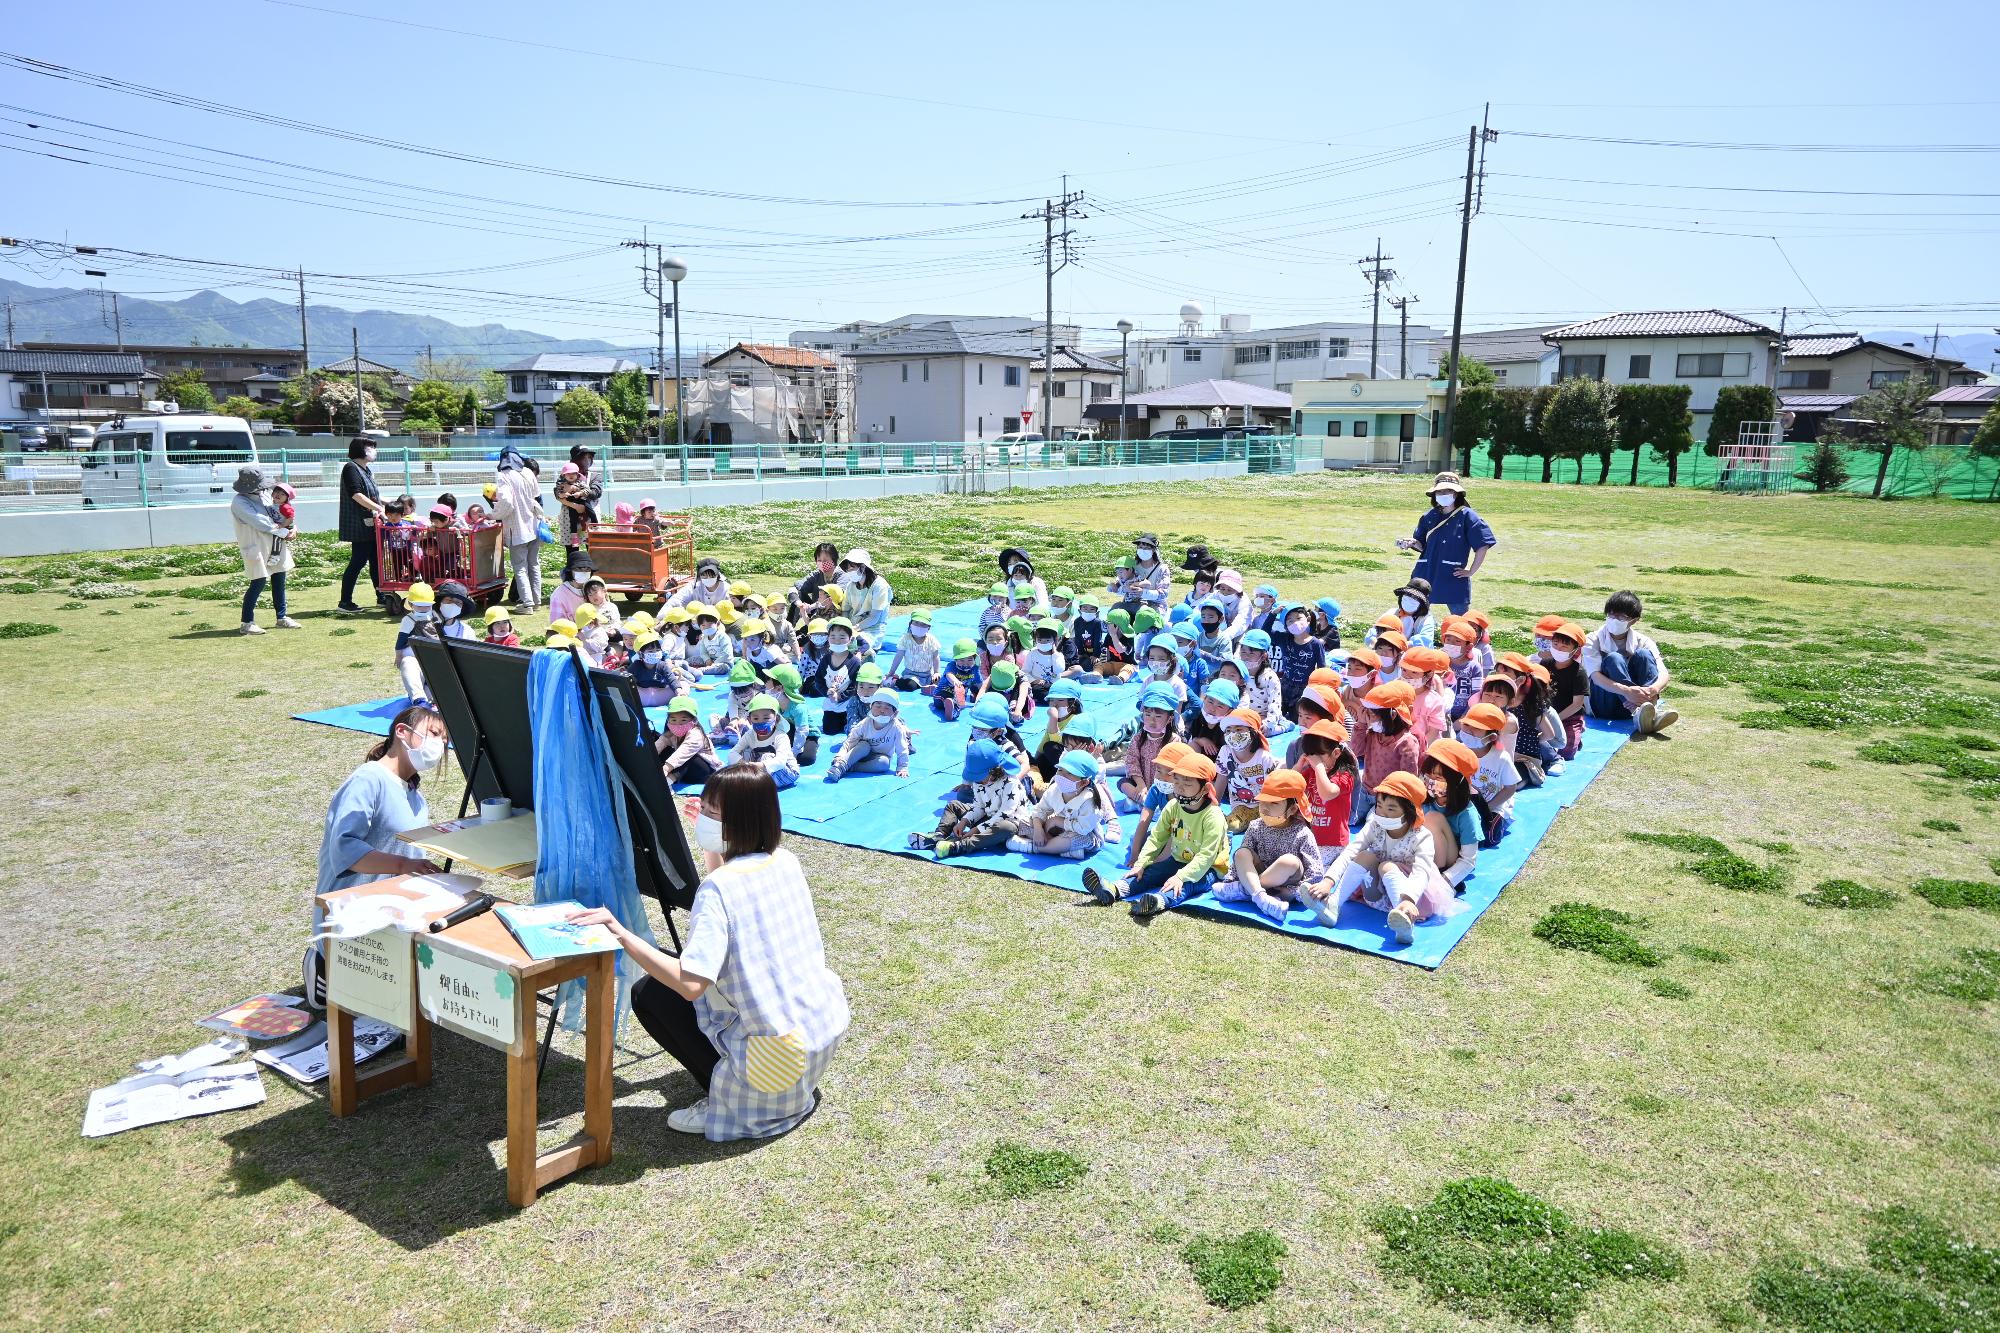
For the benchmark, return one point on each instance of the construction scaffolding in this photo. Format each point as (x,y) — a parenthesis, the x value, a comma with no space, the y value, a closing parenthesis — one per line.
(743,399)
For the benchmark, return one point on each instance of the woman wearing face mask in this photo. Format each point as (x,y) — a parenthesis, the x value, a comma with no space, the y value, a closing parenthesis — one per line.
(1149,573)
(264,540)
(571,594)
(378,801)
(517,503)
(750,1007)
(360,507)
(868,593)
(826,570)
(1451,541)
(709,587)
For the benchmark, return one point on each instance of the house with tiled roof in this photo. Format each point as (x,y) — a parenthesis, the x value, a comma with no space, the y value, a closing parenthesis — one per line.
(50,387)
(1702,349)
(1823,373)
(765,393)
(953,379)
(1080,380)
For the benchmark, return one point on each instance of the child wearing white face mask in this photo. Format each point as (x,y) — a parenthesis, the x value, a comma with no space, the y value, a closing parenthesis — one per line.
(1163,667)
(1241,767)
(1089,636)
(709,652)
(918,661)
(1391,866)
(1482,731)
(1279,856)
(1159,726)
(1461,649)
(650,671)
(1067,821)
(1569,687)
(1413,615)
(1627,673)
(708,587)
(420,622)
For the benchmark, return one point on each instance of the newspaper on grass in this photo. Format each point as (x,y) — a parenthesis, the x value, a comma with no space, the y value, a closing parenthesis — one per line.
(178,1091)
(304,1059)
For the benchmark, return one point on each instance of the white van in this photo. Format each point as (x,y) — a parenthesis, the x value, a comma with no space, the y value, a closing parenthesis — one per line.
(182,459)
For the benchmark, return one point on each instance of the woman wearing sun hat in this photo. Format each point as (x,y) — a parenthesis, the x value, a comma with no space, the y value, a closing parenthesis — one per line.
(868,593)
(1451,542)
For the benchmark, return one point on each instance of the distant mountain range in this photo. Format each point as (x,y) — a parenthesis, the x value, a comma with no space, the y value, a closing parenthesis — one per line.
(1979,351)
(69,314)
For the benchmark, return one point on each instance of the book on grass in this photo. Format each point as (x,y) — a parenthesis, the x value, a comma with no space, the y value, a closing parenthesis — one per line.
(543,932)
(304,1058)
(148,1099)
(260,1018)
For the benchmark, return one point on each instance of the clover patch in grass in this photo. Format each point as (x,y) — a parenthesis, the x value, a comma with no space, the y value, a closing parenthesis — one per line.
(1669,989)
(341,632)
(1942,826)
(1826,765)
(1699,843)
(1701,953)
(1645,1103)
(251,693)
(1975,980)
(1589,928)
(1485,1248)
(1921,1278)
(1235,1271)
(26,629)
(1738,873)
(1849,896)
(1956,893)
(1018,1171)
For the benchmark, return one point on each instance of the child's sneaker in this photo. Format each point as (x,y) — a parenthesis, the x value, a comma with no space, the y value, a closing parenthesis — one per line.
(1325,910)
(941,849)
(1149,904)
(1270,906)
(1094,885)
(1402,925)
(1555,768)
(923,842)
(1020,845)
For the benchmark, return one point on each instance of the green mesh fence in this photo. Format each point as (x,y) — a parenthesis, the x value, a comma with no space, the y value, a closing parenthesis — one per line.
(1946,470)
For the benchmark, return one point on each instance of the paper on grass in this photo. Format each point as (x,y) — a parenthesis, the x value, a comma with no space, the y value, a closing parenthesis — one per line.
(150,1099)
(304,1058)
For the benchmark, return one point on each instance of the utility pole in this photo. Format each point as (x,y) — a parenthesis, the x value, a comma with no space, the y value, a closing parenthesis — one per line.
(118,325)
(1376,277)
(1403,304)
(651,283)
(305,347)
(1475,136)
(1051,209)
(1778,361)
(10,326)
(360,404)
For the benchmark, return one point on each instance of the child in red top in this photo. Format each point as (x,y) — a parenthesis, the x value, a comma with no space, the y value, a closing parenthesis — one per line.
(500,628)
(1329,772)
(282,495)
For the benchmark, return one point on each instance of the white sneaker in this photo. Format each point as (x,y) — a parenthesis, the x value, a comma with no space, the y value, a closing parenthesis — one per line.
(690,1119)
(1643,719)
(250,627)
(1399,921)
(1664,718)
(286,622)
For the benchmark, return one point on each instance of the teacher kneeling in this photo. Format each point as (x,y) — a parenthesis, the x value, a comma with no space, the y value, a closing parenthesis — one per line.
(750,1007)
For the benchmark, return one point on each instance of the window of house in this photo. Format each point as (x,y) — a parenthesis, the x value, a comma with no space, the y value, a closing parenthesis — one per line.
(1711,365)
(1436,421)
(1333,430)
(1100,391)
(892,420)
(517,384)
(1302,349)
(1582,367)
(1059,389)
(1878,378)
(927,372)
(906,372)
(740,378)
(1253,354)
(1336,348)
(1180,422)
(1011,378)
(1360,429)
(982,372)
(1639,368)
(1805,379)
(1500,375)
(1286,387)
(1190,354)
(1008,425)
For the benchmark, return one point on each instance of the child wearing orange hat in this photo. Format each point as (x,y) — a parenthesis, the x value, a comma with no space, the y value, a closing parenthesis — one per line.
(1428,672)
(1358,675)
(1484,624)
(1391,867)
(1390,645)
(1279,855)
(1243,764)
(1386,744)
(1482,732)
(1468,673)
(1187,849)
(1537,741)
(1545,629)
(1320,703)
(1159,790)
(1448,770)
(1569,687)
(1330,775)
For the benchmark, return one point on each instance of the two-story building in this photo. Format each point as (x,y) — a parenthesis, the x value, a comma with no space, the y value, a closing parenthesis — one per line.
(1703,349)
(943,381)
(541,380)
(1384,424)
(1823,373)
(1080,381)
(1274,358)
(758,393)
(1516,356)
(229,372)
(49,388)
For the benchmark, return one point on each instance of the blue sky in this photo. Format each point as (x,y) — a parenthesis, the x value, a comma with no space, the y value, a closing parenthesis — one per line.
(1244,158)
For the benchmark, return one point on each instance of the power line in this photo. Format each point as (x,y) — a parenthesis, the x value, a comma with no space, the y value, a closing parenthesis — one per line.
(1733,147)
(1758,189)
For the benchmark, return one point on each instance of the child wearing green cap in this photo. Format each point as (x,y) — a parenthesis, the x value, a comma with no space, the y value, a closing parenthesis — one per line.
(690,754)
(743,687)
(805,740)
(1042,663)
(877,740)
(1118,657)
(996,609)
(764,742)
(1011,687)
(958,684)
(917,660)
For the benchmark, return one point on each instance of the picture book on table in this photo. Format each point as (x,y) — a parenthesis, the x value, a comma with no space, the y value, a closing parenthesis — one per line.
(543,931)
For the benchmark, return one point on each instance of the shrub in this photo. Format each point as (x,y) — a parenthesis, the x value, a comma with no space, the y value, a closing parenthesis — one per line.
(1591,929)
(1942,826)
(1235,1272)
(1826,467)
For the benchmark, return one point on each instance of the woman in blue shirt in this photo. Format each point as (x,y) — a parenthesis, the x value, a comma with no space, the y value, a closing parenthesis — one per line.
(1451,542)
(379,800)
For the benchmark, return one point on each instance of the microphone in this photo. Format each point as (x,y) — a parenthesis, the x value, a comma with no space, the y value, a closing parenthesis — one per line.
(471,908)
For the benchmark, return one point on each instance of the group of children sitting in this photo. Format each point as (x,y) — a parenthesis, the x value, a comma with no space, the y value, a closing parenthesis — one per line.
(1373,773)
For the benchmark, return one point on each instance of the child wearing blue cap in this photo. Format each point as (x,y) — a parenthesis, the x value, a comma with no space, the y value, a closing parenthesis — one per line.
(1159,726)
(989,720)
(1163,667)
(1326,622)
(1204,722)
(1081,734)
(1212,635)
(1067,821)
(1065,701)
(995,811)
(1263,692)
(1264,611)
(1193,666)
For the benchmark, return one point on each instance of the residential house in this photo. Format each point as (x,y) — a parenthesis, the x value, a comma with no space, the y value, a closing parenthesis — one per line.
(543,379)
(1204,404)
(763,394)
(1081,380)
(1963,407)
(1703,349)
(949,380)
(1392,424)
(861,332)
(1823,373)
(229,372)
(1516,356)
(54,387)
(1274,358)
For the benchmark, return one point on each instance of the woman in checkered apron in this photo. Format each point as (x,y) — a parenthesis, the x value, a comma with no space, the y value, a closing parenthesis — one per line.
(750,1006)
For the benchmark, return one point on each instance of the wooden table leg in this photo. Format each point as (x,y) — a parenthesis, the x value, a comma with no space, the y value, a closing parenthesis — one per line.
(341,1093)
(522,1078)
(599,1014)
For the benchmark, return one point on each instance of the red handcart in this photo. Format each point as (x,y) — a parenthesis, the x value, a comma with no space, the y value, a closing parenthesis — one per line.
(473,556)
(635,562)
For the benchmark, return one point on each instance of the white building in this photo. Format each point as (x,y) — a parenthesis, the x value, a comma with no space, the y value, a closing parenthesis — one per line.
(861,332)
(542,380)
(1517,356)
(1703,349)
(1274,358)
(1378,424)
(1081,380)
(943,381)
(51,387)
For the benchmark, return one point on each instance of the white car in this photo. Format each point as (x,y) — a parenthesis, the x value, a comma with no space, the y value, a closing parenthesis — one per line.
(178,459)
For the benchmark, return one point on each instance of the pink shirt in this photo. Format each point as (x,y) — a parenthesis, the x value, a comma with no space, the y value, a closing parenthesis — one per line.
(1430,713)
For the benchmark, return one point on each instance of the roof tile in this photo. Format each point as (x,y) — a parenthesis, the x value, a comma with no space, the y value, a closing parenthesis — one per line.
(1659,324)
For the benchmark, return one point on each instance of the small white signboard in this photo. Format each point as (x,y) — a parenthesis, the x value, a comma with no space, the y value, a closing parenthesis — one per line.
(469,995)
(370,975)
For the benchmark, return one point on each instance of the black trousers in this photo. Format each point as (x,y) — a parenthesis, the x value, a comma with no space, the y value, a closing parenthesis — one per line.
(360,556)
(670,1021)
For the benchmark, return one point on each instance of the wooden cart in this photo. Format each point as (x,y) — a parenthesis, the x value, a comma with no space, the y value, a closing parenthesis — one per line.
(635,563)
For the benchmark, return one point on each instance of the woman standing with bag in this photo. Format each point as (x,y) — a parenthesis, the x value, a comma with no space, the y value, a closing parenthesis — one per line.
(265,544)
(517,503)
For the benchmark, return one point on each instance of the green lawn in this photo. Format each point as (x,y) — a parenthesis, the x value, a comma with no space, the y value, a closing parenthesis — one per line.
(1754,1100)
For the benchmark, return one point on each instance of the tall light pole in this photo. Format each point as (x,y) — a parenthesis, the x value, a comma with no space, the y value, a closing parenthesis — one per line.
(673,268)
(1124,356)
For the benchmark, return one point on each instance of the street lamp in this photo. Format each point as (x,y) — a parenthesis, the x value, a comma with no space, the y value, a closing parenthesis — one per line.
(673,268)
(1124,355)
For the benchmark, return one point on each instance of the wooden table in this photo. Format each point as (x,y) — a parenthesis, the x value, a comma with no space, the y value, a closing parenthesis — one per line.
(476,980)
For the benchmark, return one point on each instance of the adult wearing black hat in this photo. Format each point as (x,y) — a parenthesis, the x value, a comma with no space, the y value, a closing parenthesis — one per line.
(592,488)
(1015,567)
(1451,542)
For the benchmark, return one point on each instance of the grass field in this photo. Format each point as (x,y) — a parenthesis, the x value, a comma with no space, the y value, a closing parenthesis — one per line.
(1046,1115)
